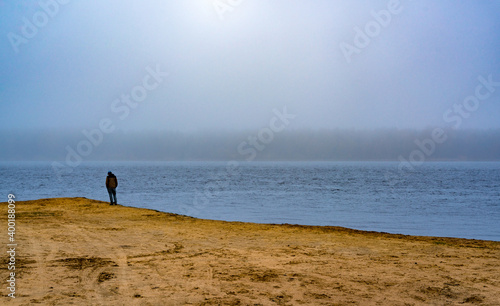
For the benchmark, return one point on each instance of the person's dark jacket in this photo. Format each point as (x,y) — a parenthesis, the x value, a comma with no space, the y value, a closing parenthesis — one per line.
(111,181)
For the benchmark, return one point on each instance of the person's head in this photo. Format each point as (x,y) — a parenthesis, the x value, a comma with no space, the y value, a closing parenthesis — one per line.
(109,173)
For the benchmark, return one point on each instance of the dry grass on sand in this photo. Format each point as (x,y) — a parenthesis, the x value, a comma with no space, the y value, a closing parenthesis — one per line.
(81,251)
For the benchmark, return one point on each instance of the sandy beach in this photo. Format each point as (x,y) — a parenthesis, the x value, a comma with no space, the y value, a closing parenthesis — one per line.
(86,252)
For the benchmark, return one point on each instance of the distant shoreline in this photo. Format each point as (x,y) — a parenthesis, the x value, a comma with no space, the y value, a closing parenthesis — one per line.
(47,161)
(289,145)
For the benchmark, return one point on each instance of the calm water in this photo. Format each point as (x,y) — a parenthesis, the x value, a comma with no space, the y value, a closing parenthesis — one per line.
(437,199)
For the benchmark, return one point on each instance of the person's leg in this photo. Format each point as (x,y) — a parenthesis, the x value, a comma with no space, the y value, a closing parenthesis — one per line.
(114,195)
(110,192)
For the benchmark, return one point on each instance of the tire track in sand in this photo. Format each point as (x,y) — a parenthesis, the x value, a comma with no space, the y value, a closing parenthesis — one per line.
(85,263)
(40,280)
(108,250)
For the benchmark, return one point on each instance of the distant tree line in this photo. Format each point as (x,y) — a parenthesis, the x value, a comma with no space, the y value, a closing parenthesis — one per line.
(333,144)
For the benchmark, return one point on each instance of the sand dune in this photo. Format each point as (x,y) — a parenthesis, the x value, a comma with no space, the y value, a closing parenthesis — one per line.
(81,251)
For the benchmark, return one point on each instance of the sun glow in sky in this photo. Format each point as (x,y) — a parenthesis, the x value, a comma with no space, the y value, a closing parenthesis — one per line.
(230,63)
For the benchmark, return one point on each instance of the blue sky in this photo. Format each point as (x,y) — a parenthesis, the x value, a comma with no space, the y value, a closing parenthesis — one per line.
(229,65)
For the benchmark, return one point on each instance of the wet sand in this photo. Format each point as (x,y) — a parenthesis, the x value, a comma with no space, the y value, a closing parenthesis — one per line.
(82,251)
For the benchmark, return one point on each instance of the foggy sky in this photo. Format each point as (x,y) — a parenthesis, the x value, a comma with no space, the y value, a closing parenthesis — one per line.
(229,67)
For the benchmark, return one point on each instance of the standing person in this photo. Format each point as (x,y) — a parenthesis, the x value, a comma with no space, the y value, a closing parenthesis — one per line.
(111,184)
